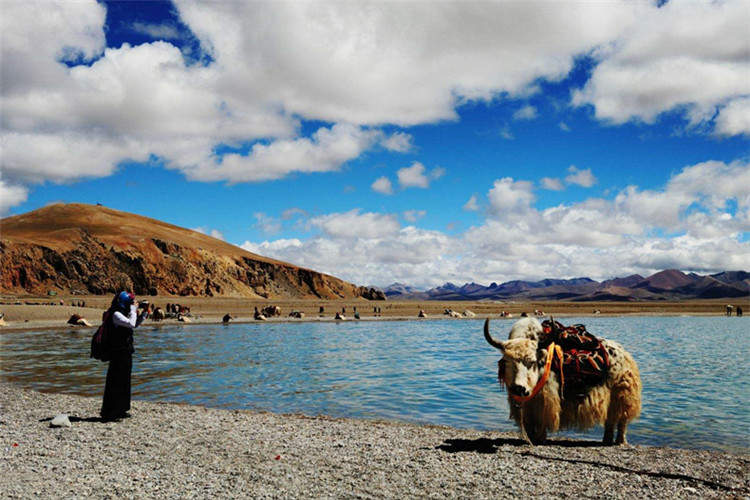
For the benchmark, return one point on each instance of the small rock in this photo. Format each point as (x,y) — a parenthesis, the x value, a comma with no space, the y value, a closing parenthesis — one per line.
(60,421)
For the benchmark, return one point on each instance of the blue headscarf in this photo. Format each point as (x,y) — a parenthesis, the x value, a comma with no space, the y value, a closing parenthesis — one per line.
(125,300)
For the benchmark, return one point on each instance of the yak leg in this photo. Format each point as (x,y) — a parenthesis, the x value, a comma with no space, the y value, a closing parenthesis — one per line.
(609,434)
(622,429)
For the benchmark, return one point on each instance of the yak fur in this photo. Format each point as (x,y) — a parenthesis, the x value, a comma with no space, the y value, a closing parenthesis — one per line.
(613,404)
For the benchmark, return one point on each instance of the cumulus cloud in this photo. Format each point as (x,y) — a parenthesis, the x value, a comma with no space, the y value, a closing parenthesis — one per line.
(734,118)
(399,142)
(11,196)
(273,65)
(414,215)
(417,176)
(580,177)
(327,150)
(471,205)
(214,233)
(664,63)
(267,224)
(525,113)
(552,184)
(695,221)
(164,31)
(382,185)
(353,224)
(509,197)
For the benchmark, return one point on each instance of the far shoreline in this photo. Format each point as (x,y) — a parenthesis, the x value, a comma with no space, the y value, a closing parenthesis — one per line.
(39,313)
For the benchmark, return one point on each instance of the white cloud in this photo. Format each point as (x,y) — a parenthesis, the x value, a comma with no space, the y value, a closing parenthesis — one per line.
(11,196)
(382,185)
(267,224)
(396,62)
(413,176)
(352,66)
(509,197)
(694,222)
(352,225)
(525,113)
(552,184)
(685,56)
(157,31)
(414,215)
(327,150)
(583,178)
(417,176)
(471,205)
(399,142)
(214,233)
(734,118)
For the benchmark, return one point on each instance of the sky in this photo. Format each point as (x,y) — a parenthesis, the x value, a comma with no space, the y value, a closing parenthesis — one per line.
(414,142)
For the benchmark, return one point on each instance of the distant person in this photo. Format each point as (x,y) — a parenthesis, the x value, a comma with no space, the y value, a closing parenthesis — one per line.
(739,311)
(124,316)
(226,318)
(729,310)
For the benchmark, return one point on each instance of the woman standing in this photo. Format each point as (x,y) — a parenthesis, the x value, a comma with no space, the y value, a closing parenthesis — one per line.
(123,314)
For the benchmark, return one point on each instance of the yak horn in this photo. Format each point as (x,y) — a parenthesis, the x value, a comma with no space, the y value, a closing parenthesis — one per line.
(490,340)
(555,328)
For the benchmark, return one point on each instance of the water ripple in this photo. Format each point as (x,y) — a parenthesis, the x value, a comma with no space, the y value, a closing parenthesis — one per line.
(438,372)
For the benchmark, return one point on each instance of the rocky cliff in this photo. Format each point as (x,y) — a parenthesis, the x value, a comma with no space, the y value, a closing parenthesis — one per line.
(76,248)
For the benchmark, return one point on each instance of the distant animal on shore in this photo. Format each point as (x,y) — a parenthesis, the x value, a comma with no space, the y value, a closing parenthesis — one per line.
(340,317)
(158,314)
(422,314)
(469,314)
(227,317)
(451,313)
(269,311)
(534,390)
(78,320)
(297,314)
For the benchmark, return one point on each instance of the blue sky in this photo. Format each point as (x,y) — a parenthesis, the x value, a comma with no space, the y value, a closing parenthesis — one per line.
(382,142)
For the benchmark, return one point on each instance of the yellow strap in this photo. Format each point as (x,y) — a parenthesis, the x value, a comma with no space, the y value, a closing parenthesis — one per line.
(552,350)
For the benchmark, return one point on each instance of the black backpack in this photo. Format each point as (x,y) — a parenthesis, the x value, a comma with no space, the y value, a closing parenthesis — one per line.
(101,348)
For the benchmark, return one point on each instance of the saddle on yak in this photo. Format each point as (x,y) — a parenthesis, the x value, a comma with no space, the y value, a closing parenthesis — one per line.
(585,360)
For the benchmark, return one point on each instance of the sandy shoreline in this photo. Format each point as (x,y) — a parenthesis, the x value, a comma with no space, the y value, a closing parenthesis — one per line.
(29,313)
(180,451)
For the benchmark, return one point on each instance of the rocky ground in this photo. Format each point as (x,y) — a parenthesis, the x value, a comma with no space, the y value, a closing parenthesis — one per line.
(179,451)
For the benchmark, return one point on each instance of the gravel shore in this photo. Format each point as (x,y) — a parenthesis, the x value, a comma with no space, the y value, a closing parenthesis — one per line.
(180,451)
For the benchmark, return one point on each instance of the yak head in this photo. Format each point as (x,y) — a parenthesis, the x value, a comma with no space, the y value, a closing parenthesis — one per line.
(522,363)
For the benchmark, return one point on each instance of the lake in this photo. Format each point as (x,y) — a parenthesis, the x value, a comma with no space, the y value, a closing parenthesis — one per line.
(695,370)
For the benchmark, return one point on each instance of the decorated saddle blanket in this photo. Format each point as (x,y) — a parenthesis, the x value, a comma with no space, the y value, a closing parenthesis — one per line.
(585,360)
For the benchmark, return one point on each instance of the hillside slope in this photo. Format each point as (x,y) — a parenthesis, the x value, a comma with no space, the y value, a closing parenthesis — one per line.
(93,249)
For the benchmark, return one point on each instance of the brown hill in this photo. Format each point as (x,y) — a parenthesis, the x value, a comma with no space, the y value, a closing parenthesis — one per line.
(93,249)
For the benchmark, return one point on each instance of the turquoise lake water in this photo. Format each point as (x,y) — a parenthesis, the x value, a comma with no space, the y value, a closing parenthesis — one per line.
(695,370)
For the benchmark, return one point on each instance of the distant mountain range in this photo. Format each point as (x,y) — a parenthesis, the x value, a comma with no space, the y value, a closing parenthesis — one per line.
(670,284)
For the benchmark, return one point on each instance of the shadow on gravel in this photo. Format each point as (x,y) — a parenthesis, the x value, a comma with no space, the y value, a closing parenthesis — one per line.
(481,445)
(80,419)
(486,445)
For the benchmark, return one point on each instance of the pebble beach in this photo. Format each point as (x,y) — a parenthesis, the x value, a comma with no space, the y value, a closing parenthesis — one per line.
(180,451)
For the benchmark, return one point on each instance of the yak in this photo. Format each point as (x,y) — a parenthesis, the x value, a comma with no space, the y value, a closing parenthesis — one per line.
(536,398)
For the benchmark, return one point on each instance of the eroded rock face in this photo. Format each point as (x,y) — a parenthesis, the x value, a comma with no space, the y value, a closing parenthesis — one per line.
(95,259)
